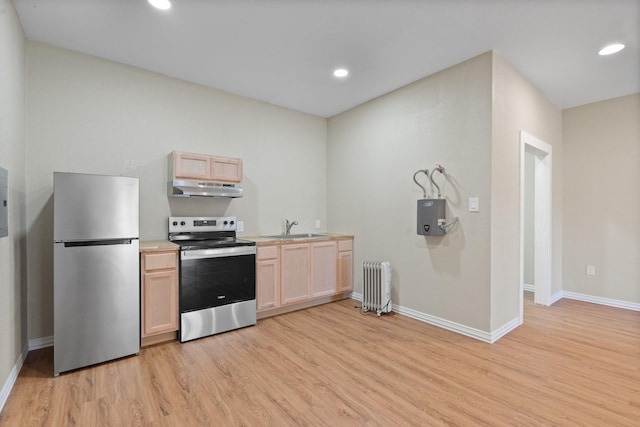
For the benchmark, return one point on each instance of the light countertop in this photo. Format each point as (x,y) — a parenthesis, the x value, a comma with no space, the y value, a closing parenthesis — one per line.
(165,245)
(318,237)
(157,245)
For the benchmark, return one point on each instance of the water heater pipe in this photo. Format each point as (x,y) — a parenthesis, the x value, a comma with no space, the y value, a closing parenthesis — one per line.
(449,224)
(426,172)
(440,169)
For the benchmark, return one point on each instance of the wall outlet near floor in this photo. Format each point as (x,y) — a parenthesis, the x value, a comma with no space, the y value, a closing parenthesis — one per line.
(317,223)
(240,226)
(591,270)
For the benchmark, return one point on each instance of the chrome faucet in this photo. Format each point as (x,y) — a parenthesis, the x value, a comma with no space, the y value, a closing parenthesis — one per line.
(288,226)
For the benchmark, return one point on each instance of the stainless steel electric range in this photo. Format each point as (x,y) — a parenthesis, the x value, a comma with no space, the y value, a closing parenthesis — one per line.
(217,276)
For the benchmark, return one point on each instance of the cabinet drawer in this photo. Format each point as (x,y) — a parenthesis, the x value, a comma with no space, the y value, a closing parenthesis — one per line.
(345,245)
(159,260)
(267,252)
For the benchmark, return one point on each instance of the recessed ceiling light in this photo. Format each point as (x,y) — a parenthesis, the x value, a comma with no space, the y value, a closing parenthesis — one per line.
(611,49)
(160,4)
(341,72)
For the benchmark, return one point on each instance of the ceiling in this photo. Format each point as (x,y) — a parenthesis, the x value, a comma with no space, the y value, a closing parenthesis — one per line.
(284,51)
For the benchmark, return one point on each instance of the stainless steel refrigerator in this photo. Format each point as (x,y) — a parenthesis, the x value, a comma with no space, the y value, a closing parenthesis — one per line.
(96,291)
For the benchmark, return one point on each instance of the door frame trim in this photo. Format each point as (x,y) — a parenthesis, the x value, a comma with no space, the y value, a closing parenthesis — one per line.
(543,209)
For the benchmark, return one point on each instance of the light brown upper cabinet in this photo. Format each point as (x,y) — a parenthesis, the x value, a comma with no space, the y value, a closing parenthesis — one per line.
(204,167)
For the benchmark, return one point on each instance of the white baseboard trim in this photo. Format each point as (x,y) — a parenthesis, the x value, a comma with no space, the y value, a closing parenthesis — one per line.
(555,298)
(13,375)
(443,323)
(39,343)
(509,326)
(602,301)
(505,329)
(488,337)
(532,288)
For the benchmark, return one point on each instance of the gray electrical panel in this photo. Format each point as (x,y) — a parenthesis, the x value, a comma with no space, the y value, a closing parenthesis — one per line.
(431,215)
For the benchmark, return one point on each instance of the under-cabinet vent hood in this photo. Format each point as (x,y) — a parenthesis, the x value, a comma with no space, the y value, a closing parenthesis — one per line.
(185,188)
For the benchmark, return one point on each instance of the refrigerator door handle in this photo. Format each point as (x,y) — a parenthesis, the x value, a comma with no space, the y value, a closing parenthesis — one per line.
(98,243)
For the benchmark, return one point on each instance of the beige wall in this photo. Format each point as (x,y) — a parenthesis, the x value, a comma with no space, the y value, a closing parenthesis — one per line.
(602,199)
(518,106)
(90,115)
(469,119)
(13,312)
(374,150)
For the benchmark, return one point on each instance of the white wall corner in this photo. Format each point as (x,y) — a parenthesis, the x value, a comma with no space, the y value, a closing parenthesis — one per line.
(13,376)
(505,329)
(555,298)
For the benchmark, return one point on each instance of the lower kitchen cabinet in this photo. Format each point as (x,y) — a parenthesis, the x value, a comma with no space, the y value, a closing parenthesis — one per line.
(308,271)
(345,265)
(290,276)
(159,293)
(323,268)
(294,284)
(267,277)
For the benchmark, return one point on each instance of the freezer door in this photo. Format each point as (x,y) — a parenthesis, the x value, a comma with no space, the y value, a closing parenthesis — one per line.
(94,207)
(96,303)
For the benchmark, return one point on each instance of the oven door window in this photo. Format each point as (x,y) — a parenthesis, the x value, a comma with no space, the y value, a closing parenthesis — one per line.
(212,282)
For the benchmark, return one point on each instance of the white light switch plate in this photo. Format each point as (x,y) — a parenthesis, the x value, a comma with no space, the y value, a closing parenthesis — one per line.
(474,204)
(129,165)
(317,223)
(591,270)
(240,226)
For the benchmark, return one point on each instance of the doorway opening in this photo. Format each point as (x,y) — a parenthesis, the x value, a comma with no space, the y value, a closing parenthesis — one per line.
(535,155)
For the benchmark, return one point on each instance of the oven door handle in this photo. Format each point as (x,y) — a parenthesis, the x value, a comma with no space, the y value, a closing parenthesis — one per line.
(218,253)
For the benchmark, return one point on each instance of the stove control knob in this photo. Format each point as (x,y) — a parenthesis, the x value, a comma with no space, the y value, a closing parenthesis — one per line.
(232,222)
(175,223)
(183,223)
(226,222)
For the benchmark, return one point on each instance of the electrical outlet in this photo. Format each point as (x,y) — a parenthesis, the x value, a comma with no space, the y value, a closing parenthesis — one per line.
(317,223)
(591,270)
(240,226)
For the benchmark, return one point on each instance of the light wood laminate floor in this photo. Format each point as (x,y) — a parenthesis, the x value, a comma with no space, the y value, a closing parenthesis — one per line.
(573,364)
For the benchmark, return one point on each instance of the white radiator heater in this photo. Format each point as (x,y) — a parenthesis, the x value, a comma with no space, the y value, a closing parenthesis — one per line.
(376,292)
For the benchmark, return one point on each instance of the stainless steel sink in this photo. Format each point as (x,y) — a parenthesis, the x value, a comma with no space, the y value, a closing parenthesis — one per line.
(294,236)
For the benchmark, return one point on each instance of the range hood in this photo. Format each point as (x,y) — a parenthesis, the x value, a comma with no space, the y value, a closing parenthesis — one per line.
(186,188)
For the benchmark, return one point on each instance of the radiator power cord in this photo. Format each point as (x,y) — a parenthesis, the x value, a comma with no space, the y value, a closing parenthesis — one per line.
(378,312)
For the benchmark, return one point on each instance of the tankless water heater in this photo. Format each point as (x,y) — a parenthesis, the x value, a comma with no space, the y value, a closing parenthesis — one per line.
(431,215)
